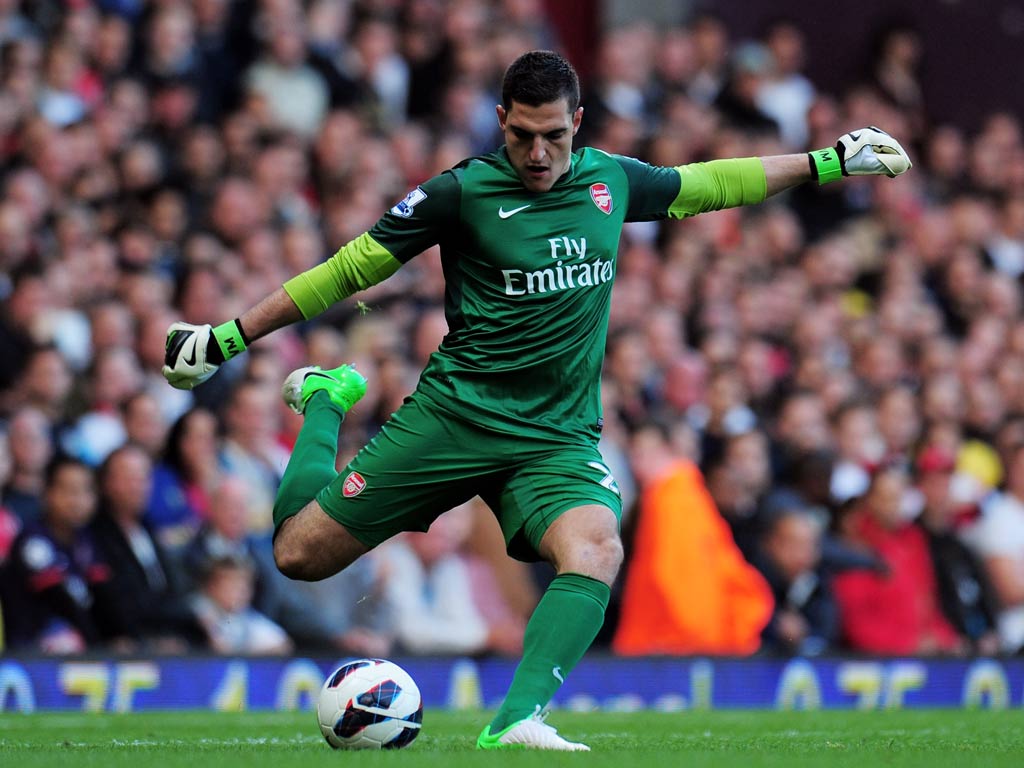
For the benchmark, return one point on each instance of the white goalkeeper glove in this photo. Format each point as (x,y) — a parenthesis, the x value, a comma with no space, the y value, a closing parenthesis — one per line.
(867,152)
(193,353)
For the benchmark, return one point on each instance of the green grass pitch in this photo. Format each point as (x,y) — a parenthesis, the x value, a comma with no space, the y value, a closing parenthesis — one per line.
(932,738)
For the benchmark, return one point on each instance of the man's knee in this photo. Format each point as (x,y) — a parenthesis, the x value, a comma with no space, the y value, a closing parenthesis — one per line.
(311,546)
(609,554)
(585,540)
(598,556)
(291,556)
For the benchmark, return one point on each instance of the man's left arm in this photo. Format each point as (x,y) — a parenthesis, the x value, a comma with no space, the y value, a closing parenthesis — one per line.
(688,190)
(784,171)
(867,152)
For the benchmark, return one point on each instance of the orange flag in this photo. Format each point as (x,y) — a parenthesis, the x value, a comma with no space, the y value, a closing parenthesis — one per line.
(688,588)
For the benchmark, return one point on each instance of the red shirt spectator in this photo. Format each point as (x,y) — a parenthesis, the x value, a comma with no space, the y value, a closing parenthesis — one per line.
(895,612)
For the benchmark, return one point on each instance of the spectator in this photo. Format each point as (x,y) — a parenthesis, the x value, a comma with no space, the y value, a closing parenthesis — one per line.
(58,101)
(623,94)
(802,423)
(328,24)
(897,612)
(727,411)
(31,450)
(381,69)
(337,614)
(786,96)
(896,60)
(9,523)
(224,607)
(147,585)
(998,539)
(144,423)
(351,613)
(184,478)
(250,450)
(171,45)
(292,94)
(114,379)
(224,531)
(899,420)
(46,383)
(859,448)
(681,539)
(967,598)
(738,483)
(25,307)
(711,45)
(427,586)
(738,101)
(805,621)
(59,594)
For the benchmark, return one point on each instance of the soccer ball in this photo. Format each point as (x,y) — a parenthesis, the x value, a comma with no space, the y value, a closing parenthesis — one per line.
(370,704)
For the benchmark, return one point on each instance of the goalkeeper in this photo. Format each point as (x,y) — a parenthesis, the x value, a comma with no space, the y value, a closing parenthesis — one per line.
(508,408)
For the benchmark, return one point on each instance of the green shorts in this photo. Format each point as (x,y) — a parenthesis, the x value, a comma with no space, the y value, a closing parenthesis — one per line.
(425,461)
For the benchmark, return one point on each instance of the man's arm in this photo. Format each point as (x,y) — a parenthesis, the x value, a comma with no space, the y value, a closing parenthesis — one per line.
(784,171)
(687,190)
(867,152)
(361,263)
(275,311)
(194,352)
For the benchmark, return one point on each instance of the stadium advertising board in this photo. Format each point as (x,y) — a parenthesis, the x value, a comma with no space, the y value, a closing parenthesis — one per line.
(28,685)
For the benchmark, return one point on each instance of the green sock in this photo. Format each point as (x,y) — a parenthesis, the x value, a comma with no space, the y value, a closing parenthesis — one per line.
(564,624)
(311,466)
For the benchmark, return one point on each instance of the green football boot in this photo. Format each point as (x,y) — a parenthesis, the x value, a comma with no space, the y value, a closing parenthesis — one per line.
(344,385)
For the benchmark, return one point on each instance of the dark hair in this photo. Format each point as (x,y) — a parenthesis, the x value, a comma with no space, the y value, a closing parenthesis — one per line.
(57,464)
(173,455)
(215,565)
(103,472)
(540,77)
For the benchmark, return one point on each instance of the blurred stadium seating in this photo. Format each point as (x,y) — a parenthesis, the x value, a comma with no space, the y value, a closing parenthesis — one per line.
(845,364)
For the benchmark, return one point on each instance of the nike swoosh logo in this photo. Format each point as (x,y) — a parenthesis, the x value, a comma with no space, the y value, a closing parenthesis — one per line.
(854,136)
(175,343)
(557,672)
(192,360)
(503,214)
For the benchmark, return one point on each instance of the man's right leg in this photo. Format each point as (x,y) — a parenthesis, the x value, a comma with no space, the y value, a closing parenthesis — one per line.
(312,545)
(308,544)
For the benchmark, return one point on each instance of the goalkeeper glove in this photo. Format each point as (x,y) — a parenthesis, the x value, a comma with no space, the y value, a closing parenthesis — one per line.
(867,152)
(193,353)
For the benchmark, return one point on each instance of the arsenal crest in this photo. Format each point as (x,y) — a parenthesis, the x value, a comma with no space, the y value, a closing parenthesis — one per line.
(353,486)
(602,197)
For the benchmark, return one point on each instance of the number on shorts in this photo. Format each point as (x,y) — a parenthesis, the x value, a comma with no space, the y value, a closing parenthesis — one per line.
(608,481)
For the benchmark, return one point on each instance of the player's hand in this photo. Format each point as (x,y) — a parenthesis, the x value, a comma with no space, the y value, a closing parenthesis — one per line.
(185,358)
(871,152)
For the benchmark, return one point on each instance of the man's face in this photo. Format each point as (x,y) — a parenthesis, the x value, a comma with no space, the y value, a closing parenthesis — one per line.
(71,497)
(539,140)
(794,545)
(128,482)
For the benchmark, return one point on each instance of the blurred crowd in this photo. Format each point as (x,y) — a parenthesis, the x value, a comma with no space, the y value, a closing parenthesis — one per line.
(814,408)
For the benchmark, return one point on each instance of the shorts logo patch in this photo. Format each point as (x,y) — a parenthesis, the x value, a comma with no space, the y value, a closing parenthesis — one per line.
(602,197)
(354,485)
(404,208)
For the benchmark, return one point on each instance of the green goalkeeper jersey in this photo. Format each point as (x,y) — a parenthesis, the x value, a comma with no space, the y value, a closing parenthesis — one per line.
(529,277)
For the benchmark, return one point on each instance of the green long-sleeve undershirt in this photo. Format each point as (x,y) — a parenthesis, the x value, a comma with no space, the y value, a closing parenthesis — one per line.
(355,267)
(719,184)
(364,262)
